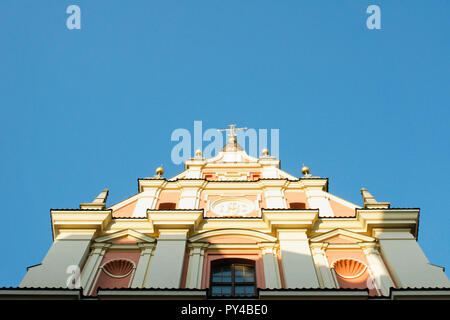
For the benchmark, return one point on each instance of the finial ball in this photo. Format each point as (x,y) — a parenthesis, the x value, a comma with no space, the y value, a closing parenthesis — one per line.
(305,170)
(159,171)
(265,152)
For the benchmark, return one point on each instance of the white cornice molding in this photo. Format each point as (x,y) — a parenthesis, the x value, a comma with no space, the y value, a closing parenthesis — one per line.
(142,225)
(273,183)
(233,166)
(268,162)
(194,163)
(314,183)
(290,219)
(341,232)
(239,247)
(191,183)
(232,157)
(233,185)
(127,232)
(147,183)
(260,236)
(76,220)
(210,224)
(389,219)
(181,219)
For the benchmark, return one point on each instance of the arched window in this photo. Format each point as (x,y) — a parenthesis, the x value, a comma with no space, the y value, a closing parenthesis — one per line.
(233,278)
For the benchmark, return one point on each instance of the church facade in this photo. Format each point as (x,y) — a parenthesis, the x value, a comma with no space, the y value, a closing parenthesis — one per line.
(234,226)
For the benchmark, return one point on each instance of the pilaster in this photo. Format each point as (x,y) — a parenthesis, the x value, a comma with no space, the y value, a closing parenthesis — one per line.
(324,273)
(274,193)
(270,261)
(143,265)
(167,263)
(150,190)
(93,262)
(379,271)
(195,266)
(297,262)
(190,193)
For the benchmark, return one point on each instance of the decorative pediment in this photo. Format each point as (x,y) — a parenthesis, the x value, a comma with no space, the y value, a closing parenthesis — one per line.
(341,236)
(126,235)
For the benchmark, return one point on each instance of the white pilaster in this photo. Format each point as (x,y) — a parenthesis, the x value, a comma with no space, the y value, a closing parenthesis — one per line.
(270,261)
(194,168)
(190,193)
(298,266)
(148,200)
(189,198)
(167,262)
(379,271)
(274,194)
(324,273)
(275,198)
(195,266)
(143,265)
(317,199)
(93,262)
(270,172)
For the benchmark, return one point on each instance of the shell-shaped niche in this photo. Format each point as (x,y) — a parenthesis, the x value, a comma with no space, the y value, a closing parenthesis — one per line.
(119,268)
(349,268)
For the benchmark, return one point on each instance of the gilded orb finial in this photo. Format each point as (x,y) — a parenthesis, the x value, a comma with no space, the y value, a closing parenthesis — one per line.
(159,171)
(265,152)
(198,153)
(305,170)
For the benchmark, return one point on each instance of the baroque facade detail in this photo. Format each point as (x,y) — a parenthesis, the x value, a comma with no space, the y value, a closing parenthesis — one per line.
(238,226)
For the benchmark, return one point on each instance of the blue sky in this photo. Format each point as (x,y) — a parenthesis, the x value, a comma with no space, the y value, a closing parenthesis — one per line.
(83,110)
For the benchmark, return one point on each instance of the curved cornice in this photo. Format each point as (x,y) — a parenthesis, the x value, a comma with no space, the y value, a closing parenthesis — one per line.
(262,237)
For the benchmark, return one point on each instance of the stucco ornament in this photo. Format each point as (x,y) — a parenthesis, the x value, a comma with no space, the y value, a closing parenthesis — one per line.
(349,268)
(233,207)
(119,268)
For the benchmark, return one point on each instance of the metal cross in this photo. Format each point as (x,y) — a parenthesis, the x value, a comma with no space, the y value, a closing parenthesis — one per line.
(232,129)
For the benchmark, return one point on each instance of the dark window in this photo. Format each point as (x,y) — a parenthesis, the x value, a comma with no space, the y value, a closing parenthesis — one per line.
(233,278)
(297,205)
(167,206)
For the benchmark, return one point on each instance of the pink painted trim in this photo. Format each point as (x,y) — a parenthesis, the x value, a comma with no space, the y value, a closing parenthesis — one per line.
(341,210)
(126,211)
(185,270)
